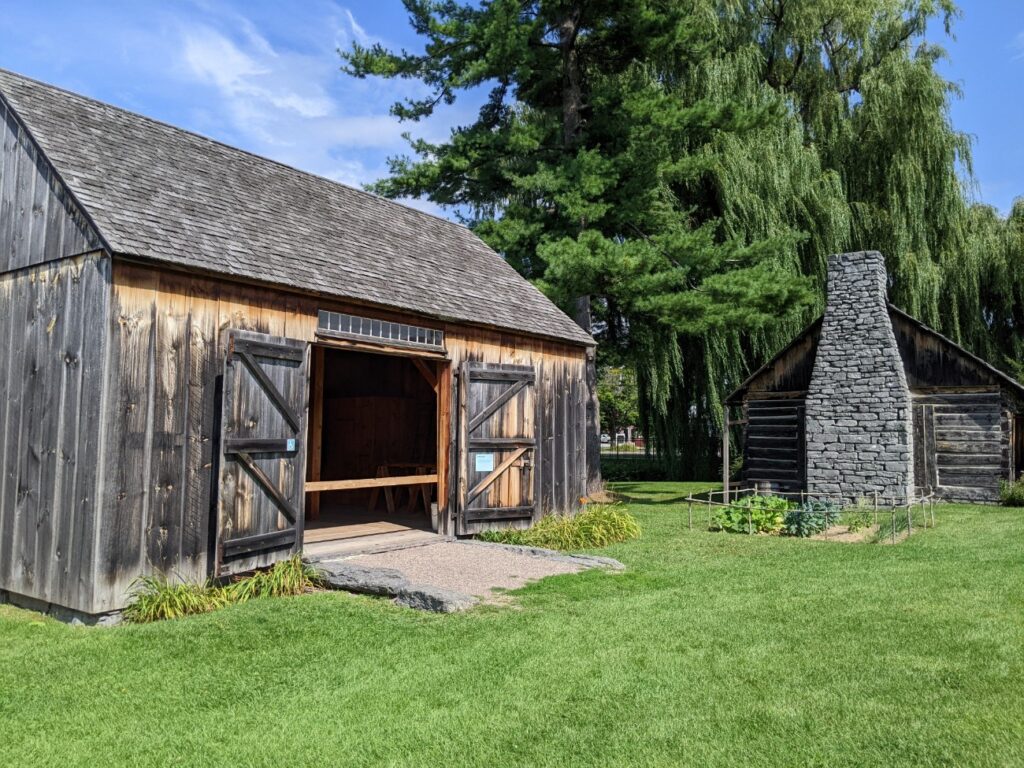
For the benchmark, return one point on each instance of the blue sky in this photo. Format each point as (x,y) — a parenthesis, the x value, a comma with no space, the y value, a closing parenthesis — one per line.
(263,75)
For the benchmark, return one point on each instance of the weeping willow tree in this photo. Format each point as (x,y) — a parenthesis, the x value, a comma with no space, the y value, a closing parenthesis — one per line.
(998,245)
(869,160)
(688,166)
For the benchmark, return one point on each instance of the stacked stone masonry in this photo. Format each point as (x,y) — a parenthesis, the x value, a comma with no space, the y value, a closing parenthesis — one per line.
(858,410)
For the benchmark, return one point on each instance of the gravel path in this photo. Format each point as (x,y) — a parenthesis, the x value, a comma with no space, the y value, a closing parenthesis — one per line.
(472,570)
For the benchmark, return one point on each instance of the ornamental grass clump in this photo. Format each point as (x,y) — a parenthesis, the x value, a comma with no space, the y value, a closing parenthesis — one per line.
(155,598)
(288,577)
(597,525)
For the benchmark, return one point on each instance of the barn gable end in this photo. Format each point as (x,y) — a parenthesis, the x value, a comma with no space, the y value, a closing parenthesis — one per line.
(40,221)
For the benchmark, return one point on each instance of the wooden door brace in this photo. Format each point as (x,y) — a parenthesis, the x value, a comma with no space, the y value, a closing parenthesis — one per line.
(499,401)
(268,485)
(498,470)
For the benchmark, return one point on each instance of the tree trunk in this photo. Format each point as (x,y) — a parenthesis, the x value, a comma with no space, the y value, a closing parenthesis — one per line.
(572,118)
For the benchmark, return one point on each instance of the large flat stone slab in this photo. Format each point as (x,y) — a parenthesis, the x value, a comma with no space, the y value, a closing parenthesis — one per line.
(389,582)
(451,576)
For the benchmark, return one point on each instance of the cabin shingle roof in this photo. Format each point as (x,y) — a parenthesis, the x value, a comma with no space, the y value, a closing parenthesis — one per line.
(163,193)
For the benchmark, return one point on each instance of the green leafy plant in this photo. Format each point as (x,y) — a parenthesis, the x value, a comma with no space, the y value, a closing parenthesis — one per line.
(1011,493)
(597,525)
(859,517)
(811,517)
(155,598)
(756,513)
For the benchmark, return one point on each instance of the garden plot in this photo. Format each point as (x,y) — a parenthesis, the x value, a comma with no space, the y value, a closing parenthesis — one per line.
(795,515)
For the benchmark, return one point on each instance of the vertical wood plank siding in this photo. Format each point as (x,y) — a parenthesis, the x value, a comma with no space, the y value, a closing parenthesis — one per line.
(53,325)
(165,360)
(39,221)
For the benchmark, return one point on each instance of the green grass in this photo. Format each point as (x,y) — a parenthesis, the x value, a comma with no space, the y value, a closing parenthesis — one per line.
(714,649)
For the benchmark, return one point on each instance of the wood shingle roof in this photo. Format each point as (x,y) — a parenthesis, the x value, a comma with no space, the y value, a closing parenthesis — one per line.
(162,193)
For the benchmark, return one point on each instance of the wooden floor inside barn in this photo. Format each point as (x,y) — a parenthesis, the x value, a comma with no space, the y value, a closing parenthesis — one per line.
(343,530)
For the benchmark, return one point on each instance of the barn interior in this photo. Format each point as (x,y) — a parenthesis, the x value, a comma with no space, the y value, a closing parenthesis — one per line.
(372,464)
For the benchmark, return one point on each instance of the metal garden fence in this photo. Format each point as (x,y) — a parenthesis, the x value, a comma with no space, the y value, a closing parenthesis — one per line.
(890,518)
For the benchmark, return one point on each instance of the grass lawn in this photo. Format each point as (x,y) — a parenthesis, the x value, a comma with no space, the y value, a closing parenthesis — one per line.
(714,649)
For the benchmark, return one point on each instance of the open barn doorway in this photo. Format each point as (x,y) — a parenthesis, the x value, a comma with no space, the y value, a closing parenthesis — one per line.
(373,444)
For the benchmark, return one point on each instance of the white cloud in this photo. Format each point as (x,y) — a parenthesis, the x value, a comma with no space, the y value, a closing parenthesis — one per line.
(357,31)
(248,79)
(292,103)
(1018,46)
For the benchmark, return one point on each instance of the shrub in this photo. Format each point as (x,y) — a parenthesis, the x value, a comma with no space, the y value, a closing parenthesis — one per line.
(765,514)
(597,525)
(1011,493)
(154,598)
(811,517)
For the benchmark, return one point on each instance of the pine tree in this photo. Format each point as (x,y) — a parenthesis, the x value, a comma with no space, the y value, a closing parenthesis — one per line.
(590,165)
(689,165)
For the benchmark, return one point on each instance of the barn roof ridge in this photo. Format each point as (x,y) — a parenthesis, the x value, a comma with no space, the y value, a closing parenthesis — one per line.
(163,193)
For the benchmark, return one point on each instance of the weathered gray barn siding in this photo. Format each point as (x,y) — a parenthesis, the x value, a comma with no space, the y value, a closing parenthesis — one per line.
(54,294)
(166,352)
(39,220)
(53,328)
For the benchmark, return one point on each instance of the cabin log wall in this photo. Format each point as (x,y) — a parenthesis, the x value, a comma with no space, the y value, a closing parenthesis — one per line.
(166,355)
(964,448)
(773,448)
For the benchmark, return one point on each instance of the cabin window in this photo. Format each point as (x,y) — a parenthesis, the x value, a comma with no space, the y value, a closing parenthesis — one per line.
(340,325)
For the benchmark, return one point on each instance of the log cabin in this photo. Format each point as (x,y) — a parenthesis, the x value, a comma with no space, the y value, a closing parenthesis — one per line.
(213,360)
(868,400)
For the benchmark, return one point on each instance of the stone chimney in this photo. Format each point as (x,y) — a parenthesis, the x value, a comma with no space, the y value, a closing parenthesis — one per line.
(858,409)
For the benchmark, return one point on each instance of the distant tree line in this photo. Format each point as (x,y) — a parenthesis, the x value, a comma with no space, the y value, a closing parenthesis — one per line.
(681,169)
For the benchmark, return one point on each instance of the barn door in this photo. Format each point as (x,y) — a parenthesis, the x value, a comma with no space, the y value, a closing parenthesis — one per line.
(497,446)
(263,452)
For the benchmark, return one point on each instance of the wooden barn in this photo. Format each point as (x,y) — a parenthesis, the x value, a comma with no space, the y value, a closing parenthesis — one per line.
(212,360)
(867,399)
